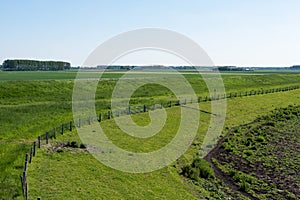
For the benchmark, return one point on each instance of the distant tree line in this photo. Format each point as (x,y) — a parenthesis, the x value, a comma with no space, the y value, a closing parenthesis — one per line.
(34,65)
(295,67)
(116,67)
(230,68)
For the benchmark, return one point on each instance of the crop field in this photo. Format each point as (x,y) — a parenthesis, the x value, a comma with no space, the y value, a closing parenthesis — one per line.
(34,102)
(262,158)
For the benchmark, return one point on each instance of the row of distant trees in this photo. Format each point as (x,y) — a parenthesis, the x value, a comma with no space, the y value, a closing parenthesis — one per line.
(34,65)
(234,68)
(231,68)
(116,67)
(295,67)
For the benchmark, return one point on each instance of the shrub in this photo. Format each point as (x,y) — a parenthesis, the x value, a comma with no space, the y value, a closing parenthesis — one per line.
(205,168)
(186,170)
(192,173)
(82,146)
(199,168)
(195,174)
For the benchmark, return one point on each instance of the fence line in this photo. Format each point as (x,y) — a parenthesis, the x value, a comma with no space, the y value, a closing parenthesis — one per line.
(68,126)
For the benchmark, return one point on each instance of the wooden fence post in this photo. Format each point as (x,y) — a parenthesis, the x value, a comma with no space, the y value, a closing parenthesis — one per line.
(39,141)
(79,123)
(47,137)
(71,125)
(21,177)
(24,178)
(34,146)
(23,182)
(99,118)
(145,108)
(26,191)
(108,114)
(30,155)
(128,112)
(26,162)
(54,132)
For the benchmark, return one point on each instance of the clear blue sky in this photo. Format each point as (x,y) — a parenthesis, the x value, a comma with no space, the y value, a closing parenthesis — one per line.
(232,32)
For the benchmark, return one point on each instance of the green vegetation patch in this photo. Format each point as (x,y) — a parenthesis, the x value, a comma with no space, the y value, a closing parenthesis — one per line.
(262,158)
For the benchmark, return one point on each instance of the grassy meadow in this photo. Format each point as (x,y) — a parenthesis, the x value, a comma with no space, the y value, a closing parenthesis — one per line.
(75,169)
(34,102)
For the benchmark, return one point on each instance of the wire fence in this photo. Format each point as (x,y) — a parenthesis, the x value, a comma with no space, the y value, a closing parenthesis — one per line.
(133,109)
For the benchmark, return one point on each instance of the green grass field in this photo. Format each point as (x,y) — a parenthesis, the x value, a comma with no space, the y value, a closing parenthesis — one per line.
(34,102)
(52,172)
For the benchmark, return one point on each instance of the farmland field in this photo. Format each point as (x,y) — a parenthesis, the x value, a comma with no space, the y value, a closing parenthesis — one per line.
(262,158)
(34,102)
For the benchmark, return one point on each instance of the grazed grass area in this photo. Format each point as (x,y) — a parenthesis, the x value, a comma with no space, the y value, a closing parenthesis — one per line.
(55,170)
(88,178)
